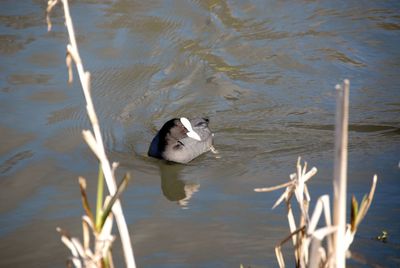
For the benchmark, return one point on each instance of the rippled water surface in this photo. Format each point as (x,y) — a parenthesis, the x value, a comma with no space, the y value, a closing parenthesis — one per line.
(263,72)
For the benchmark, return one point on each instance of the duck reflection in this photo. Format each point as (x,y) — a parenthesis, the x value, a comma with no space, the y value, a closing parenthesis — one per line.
(173,188)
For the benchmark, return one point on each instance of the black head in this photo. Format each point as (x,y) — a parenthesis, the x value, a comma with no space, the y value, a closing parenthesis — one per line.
(173,129)
(171,132)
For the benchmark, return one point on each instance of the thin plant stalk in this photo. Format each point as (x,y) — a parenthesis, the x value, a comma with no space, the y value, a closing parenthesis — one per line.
(95,141)
(340,174)
(107,209)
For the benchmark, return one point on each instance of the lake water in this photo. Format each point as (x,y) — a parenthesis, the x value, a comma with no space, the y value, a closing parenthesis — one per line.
(264,73)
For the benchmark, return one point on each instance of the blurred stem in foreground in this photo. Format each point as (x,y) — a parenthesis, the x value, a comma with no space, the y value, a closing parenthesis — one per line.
(340,173)
(95,141)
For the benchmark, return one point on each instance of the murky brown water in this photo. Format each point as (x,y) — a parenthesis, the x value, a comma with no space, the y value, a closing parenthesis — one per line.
(262,71)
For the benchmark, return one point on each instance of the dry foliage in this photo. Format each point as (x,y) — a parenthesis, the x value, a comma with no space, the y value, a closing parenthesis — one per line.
(324,246)
(101,227)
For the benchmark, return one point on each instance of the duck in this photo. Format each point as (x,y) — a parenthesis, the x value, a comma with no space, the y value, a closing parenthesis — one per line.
(181,140)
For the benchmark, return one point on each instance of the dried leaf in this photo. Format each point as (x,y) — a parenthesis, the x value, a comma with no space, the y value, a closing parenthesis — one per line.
(91,141)
(279,256)
(366,203)
(281,198)
(86,234)
(273,188)
(50,5)
(77,244)
(322,232)
(353,212)
(310,173)
(68,62)
(85,202)
(322,202)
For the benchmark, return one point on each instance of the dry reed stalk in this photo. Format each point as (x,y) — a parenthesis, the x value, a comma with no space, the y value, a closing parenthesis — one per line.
(95,141)
(297,188)
(309,248)
(340,173)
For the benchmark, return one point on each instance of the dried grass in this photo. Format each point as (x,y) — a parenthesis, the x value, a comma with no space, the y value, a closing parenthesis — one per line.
(324,246)
(101,226)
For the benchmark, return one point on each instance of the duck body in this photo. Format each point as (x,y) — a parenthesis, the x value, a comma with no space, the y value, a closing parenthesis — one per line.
(181,140)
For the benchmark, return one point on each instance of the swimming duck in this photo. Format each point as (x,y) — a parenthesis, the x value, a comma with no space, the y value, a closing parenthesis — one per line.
(181,140)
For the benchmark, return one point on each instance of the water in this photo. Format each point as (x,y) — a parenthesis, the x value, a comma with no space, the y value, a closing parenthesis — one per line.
(263,72)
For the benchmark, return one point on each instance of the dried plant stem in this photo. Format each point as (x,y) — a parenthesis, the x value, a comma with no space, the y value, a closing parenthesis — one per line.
(95,142)
(278,247)
(318,245)
(273,188)
(340,174)
(307,176)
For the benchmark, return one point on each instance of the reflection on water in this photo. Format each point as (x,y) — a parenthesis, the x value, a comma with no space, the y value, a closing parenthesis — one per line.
(262,71)
(174,188)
